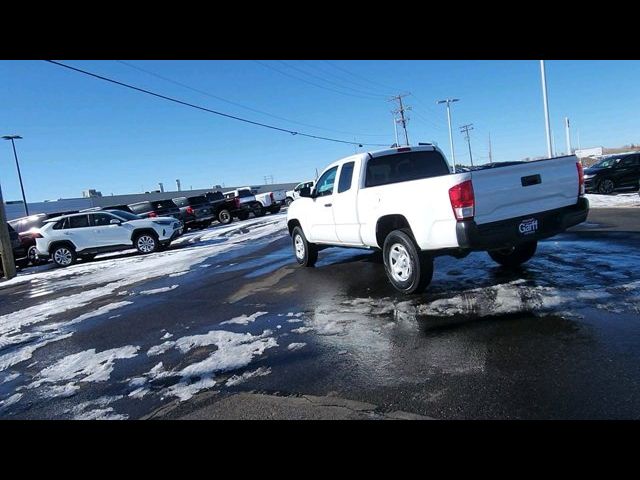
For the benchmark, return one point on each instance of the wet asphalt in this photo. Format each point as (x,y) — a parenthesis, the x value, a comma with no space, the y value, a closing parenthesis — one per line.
(557,339)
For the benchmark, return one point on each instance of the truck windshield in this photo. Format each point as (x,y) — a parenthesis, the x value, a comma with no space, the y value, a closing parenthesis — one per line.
(404,167)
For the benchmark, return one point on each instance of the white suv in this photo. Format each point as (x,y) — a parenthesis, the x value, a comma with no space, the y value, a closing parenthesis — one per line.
(87,234)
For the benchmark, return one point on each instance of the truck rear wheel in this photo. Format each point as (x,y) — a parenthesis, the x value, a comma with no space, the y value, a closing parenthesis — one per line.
(306,253)
(259,212)
(243,215)
(275,209)
(224,217)
(409,270)
(514,256)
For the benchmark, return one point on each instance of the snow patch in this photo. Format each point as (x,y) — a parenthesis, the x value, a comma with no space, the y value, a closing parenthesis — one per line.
(296,346)
(244,319)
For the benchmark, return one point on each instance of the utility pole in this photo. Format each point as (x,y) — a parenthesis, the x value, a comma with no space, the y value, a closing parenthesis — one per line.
(449,101)
(566,126)
(490,155)
(24,198)
(465,130)
(400,110)
(6,250)
(395,127)
(546,108)
(579,146)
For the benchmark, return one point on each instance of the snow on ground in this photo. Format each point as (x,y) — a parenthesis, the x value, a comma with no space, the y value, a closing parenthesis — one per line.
(86,366)
(244,319)
(613,201)
(26,330)
(233,351)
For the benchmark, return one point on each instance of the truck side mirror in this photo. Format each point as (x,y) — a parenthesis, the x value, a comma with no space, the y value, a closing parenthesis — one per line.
(305,192)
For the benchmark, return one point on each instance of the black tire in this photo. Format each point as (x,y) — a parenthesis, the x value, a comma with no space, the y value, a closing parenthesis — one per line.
(88,257)
(146,242)
(515,256)
(606,186)
(400,249)
(288,201)
(306,253)
(33,256)
(274,210)
(224,217)
(259,212)
(243,216)
(63,256)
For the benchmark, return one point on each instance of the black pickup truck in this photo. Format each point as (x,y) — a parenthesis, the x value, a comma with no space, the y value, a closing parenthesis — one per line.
(229,207)
(197,212)
(157,208)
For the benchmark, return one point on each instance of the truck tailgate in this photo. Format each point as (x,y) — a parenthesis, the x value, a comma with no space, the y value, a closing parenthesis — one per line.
(523,189)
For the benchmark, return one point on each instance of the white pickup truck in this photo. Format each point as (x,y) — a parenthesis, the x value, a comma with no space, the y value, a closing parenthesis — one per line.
(291,195)
(271,201)
(407,202)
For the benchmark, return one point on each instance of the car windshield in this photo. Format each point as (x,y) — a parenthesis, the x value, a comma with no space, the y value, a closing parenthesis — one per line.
(607,163)
(126,216)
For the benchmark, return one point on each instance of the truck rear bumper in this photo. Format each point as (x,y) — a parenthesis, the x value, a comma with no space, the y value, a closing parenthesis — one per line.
(506,233)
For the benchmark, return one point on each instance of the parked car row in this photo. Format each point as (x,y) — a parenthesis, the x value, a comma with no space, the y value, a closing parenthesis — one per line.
(148,226)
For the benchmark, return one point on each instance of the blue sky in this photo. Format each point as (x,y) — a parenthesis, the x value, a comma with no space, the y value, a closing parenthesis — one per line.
(82,133)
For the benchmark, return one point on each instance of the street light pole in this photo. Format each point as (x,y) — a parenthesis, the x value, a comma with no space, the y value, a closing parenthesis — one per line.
(546,108)
(448,101)
(6,249)
(15,154)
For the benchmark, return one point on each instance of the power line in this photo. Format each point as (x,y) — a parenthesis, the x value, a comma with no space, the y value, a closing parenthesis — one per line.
(204,109)
(330,81)
(386,87)
(311,83)
(202,92)
(362,85)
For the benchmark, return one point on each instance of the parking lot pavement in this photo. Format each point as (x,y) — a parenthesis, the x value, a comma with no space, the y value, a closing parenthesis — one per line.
(224,325)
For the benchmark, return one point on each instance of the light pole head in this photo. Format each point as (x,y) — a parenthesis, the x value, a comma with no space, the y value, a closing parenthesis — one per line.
(12,137)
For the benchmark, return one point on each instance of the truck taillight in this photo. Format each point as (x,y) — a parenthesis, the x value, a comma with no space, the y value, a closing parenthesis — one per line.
(153,214)
(462,200)
(580,178)
(236,202)
(271,196)
(190,210)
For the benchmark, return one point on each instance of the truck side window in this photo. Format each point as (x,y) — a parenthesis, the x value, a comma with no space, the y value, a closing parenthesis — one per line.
(346,175)
(325,183)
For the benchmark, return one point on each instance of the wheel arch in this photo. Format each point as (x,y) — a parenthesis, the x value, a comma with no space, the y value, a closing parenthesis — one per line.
(60,243)
(388,223)
(140,231)
(291,224)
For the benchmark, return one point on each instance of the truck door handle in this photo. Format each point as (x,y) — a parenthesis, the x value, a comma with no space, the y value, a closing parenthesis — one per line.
(328,204)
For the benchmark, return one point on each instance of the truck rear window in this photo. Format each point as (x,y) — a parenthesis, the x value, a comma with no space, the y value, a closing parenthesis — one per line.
(404,167)
(140,207)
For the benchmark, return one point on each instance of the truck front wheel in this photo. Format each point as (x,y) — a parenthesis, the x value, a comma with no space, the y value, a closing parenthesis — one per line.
(306,253)
(409,270)
(514,256)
